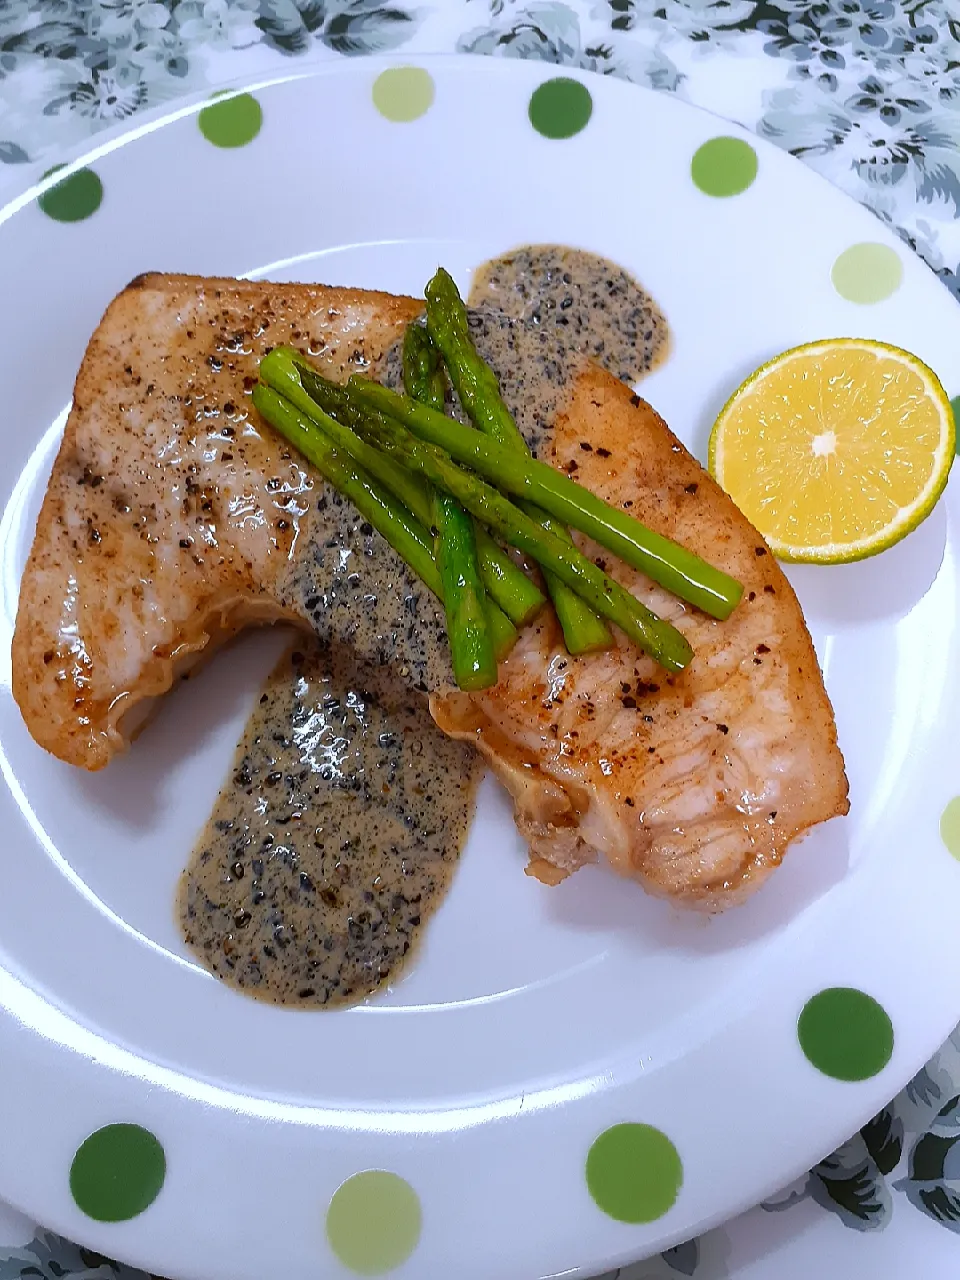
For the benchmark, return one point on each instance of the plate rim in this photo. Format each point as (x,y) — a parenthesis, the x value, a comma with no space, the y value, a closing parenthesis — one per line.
(105,1237)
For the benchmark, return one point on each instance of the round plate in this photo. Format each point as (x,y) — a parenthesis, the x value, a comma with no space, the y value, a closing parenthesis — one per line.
(535,1019)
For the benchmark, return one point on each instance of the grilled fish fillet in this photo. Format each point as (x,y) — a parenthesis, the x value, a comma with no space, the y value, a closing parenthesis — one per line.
(173,518)
(696,783)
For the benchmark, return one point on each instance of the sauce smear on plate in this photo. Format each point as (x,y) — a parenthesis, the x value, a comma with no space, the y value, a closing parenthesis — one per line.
(334,838)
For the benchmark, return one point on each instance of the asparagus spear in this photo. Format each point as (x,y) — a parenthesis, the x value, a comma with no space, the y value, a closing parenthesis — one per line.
(423,378)
(517,595)
(502,631)
(287,372)
(674,567)
(658,638)
(471,650)
(412,541)
(479,392)
(464,599)
(378,506)
(405,534)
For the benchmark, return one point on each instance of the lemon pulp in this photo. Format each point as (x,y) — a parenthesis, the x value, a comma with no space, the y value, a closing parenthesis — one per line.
(835,450)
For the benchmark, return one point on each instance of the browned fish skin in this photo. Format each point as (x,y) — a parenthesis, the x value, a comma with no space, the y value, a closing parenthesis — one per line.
(694,784)
(170,515)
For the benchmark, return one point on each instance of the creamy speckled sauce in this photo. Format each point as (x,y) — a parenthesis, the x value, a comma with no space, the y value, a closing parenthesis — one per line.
(587,305)
(334,838)
(311,883)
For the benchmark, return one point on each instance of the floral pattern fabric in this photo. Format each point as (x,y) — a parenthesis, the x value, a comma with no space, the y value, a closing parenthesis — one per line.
(867,92)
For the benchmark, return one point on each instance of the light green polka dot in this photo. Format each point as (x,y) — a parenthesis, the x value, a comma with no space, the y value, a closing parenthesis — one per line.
(233,122)
(117,1172)
(724,166)
(403,94)
(634,1172)
(73,199)
(560,108)
(955,406)
(373,1222)
(950,827)
(845,1034)
(867,272)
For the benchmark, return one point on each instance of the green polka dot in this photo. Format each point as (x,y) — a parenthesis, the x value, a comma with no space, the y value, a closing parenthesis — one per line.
(73,199)
(634,1172)
(561,107)
(724,166)
(233,122)
(373,1222)
(950,827)
(867,272)
(403,94)
(845,1034)
(117,1172)
(955,406)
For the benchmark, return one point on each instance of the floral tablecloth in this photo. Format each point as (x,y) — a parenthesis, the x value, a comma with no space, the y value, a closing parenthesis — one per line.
(865,91)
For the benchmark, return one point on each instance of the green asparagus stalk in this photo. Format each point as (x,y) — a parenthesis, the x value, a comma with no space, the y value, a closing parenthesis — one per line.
(423,378)
(506,583)
(675,568)
(471,649)
(502,631)
(286,371)
(378,507)
(479,392)
(464,599)
(658,638)
(376,504)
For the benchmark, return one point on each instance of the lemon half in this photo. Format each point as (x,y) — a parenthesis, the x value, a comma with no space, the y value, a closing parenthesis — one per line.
(835,450)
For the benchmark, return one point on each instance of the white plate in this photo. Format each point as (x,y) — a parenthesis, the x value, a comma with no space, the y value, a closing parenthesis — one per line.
(484,1076)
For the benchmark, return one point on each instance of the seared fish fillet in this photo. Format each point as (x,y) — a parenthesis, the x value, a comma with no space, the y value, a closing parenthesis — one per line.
(694,784)
(173,518)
